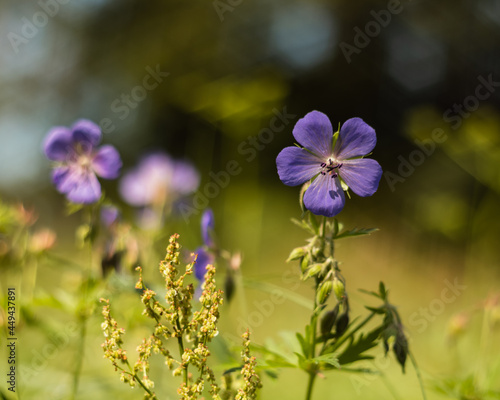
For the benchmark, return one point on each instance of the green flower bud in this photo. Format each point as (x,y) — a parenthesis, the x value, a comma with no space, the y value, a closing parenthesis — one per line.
(338,288)
(313,270)
(324,291)
(304,263)
(296,254)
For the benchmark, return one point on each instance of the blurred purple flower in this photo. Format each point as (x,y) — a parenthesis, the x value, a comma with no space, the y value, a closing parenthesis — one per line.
(205,253)
(327,164)
(158,178)
(203,259)
(207,226)
(109,215)
(79,160)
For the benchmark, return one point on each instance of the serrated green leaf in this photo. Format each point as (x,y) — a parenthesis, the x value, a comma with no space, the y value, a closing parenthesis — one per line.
(355,349)
(330,359)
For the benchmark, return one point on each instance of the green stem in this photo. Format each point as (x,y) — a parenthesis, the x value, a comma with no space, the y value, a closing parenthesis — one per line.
(83,313)
(419,375)
(79,356)
(312,378)
(181,351)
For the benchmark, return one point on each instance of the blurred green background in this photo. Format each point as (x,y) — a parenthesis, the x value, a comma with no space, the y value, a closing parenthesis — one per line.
(414,70)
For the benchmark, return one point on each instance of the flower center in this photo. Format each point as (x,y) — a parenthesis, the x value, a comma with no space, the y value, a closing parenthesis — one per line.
(330,168)
(82,156)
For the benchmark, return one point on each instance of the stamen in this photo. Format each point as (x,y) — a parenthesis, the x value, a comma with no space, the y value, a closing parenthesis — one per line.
(329,168)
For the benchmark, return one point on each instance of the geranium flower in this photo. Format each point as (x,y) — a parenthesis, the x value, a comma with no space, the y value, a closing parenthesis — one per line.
(79,160)
(328,164)
(207,227)
(205,253)
(158,178)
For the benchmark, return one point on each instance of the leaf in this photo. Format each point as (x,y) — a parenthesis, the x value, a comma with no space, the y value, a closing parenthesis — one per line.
(302,361)
(356,232)
(370,292)
(303,344)
(355,349)
(382,290)
(330,359)
(379,310)
(274,360)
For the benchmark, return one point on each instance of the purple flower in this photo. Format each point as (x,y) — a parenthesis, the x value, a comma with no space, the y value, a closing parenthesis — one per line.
(109,215)
(207,226)
(203,259)
(79,160)
(158,178)
(206,253)
(330,164)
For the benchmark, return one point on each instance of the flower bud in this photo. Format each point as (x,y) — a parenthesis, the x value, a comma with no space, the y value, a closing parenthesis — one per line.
(296,254)
(304,263)
(313,270)
(328,320)
(400,349)
(338,288)
(342,324)
(324,291)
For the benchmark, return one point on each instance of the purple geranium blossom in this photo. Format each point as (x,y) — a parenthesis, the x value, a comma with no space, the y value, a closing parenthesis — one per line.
(79,160)
(158,178)
(327,164)
(207,227)
(205,253)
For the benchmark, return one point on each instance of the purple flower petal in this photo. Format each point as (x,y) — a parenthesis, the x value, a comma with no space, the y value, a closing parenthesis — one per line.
(207,226)
(109,214)
(133,190)
(296,165)
(362,175)
(57,143)
(203,259)
(107,162)
(78,185)
(185,178)
(87,191)
(149,182)
(325,196)
(315,133)
(356,138)
(85,130)
(59,175)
